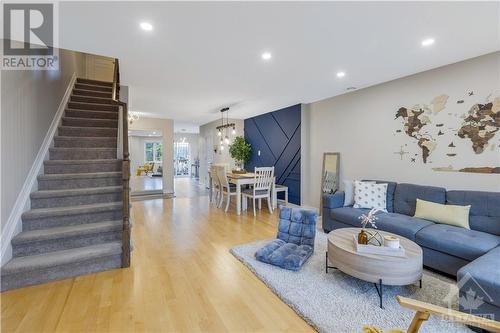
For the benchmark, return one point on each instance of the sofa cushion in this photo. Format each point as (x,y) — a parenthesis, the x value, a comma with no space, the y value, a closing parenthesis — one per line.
(459,242)
(485,276)
(484,211)
(391,188)
(402,225)
(406,195)
(285,255)
(399,224)
(297,226)
(348,215)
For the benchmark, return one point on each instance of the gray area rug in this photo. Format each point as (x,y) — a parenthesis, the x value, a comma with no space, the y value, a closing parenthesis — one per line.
(336,302)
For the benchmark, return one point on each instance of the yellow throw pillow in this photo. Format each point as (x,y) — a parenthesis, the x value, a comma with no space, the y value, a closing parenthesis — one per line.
(447,214)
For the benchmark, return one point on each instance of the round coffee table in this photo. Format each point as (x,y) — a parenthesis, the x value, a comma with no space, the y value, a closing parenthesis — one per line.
(378,269)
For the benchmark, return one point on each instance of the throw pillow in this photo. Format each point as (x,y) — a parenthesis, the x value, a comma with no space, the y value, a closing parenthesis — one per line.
(349,191)
(447,214)
(370,195)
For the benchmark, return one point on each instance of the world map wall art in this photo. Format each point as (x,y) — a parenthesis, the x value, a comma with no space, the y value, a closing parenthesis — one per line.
(447,133)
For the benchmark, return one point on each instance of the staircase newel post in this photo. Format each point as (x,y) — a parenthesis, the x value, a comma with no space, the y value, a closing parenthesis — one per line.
(126,191)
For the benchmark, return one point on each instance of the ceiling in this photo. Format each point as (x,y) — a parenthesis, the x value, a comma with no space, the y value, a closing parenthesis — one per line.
(186,127)
(205,55)
(144,133)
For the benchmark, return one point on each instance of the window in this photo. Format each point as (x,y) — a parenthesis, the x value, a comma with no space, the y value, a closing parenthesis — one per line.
(153,152)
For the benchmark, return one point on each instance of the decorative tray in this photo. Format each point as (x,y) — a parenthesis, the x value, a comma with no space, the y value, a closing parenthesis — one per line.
(380,250)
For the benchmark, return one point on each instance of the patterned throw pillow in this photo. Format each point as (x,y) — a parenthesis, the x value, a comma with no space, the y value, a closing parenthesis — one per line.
(370,195)
(349,191)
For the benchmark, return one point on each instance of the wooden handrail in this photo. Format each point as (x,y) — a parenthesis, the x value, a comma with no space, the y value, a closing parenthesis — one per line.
(125,167)
(116,81)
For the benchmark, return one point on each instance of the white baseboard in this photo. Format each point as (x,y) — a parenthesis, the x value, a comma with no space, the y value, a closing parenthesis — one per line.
(13,225)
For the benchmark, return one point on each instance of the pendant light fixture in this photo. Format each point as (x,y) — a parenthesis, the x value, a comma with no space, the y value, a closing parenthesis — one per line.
(132,116)
(224,127)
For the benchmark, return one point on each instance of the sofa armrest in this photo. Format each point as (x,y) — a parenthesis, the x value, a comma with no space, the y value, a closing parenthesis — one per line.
(335,200)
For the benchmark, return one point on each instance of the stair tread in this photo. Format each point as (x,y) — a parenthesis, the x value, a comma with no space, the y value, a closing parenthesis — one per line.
(80,138)
(85,90)
(82,149)
(57,258)
(69,231)
(91,110)
(106,174)
(80,102)
(89,127)
(90,81)
(82,161)
(93,97)
(70,210)
(89,119)
(94,85)
(75,192)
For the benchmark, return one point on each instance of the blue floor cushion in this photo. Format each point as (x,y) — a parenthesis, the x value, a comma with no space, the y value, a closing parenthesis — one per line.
(295,240)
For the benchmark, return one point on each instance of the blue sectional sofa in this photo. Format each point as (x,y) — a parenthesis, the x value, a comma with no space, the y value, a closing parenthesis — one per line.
(473,256)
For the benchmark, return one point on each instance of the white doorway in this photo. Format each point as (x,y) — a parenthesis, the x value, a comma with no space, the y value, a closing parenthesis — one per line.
(182,158)
(186,161)
(146,162)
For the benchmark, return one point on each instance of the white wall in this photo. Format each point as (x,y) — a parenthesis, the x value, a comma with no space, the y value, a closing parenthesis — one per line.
(29,101)
(166,127)
(29,104)
(208,138)
(361,126)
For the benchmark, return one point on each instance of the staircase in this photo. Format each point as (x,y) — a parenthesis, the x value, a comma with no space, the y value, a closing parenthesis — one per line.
(75,223)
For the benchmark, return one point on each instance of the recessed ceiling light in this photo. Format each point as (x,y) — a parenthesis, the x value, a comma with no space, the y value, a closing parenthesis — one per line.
(428,42)
(340,74)
(266,56)
(146,26)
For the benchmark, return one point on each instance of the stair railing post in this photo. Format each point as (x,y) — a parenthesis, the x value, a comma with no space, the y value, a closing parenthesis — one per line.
(123,130)
(126,190)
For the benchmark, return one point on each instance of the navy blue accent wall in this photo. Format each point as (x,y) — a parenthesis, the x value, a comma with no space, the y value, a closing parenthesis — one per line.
(277,136)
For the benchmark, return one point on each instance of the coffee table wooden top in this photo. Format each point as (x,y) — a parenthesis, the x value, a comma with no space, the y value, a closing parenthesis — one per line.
(398,271)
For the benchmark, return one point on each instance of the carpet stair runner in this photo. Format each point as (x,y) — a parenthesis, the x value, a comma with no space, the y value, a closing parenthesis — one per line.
(74,226)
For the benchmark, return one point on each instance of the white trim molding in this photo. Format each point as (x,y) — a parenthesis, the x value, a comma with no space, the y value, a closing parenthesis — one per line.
(13,226)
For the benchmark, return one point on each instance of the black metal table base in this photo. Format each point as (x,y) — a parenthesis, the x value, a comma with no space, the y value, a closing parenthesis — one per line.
(378,286)
(326,263)
(380,290)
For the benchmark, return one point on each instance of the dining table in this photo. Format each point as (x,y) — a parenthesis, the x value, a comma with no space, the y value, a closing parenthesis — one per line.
(244,179)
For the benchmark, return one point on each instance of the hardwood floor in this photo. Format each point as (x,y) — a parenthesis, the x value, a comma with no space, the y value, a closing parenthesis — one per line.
(145,183)
(186,187)
(182,279)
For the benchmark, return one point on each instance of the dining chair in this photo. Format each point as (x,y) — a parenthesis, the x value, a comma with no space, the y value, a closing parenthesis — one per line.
(263,182)
(215,185)
(225,187)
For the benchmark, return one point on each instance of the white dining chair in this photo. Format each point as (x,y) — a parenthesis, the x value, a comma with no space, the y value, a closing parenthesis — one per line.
(215,185)
(263,183)
(226,188)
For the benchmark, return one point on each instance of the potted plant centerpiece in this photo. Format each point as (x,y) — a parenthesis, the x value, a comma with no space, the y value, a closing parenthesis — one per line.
(240,151)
